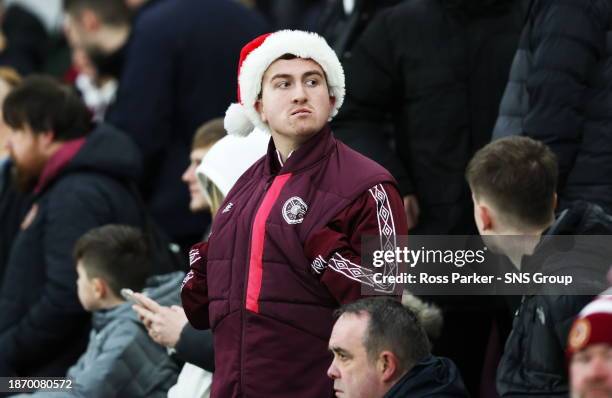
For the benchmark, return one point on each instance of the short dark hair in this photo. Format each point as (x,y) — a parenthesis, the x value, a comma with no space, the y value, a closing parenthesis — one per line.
(111,12)
(393,327)
(519,176)
(116,253)
(44,104)
(208,133)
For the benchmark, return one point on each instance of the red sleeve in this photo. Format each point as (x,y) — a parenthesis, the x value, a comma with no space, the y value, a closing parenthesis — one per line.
(335,250)
(194,289)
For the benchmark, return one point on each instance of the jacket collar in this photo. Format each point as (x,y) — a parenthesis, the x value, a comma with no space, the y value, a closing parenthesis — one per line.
(310,153)
(58,162)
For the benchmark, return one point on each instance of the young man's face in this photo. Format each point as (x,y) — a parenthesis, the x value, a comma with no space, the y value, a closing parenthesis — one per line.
(26,150)
(354,375)
(85,289)
(295,100)
(591,372)
(198,201)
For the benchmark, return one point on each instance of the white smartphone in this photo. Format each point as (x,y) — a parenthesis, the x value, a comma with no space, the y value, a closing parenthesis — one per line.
(128,294)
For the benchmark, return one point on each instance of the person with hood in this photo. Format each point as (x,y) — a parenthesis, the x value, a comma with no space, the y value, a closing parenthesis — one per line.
(80,177)
(558,93)
(382,351)
(513,182)
(285,247)
(121,360)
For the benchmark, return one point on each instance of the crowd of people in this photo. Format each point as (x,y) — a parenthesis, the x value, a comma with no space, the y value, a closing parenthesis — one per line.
(186,186)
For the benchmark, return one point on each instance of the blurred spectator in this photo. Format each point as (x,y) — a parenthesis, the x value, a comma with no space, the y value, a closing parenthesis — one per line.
(169,86)
(226,161)
(381,350)
(513,182)
(13,204)
(80,180)
(589,349)
(437,68)
(205,137)
(559,93)
(121,360)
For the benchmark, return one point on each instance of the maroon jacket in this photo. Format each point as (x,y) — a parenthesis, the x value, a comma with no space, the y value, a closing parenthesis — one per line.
(283,254)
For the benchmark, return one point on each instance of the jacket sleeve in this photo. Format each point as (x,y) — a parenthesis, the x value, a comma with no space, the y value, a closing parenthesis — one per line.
(196,347)
(567,39)
(57,318)
(194,289)
(116,365)
(374,90)
(335,250)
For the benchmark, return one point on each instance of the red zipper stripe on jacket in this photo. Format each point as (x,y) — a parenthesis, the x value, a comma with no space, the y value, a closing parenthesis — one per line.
(257,241)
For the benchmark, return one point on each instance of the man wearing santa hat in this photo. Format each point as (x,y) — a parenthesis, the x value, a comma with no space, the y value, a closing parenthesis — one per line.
(285,248)
(590,350)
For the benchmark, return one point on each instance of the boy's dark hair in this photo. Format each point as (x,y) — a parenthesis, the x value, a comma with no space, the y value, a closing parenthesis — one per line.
(43,104)
(116,253)
(208,133)
(110,12)
(392,327)
(519,176)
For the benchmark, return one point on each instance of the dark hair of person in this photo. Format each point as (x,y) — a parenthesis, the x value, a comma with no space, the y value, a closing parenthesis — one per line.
(43,104)
(519,176)
(118,254)
(391,327)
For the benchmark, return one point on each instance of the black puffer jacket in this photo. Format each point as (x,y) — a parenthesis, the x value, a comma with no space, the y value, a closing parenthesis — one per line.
(43,328)
(437,72)
(559,93)
(533,363)
(433,377)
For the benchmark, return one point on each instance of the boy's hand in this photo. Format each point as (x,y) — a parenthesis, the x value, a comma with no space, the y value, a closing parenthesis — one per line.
(164,324)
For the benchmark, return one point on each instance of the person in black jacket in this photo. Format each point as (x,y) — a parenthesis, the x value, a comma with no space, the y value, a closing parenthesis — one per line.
(381,350)
(559,93)
(434,72)
(80,180)
(513,182)
(178,71)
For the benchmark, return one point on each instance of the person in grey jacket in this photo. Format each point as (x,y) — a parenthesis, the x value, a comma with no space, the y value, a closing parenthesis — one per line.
(121,359)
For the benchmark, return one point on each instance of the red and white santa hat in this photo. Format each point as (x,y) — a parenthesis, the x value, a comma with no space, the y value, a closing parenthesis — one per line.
(593,325)
(255,58)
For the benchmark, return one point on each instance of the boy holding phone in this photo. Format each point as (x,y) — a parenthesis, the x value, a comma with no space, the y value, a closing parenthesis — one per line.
(121,360)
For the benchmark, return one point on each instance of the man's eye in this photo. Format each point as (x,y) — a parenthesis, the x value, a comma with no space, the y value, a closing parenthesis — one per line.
(312,82)
(283,84)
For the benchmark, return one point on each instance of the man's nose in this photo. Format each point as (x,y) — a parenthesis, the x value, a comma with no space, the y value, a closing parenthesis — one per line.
(598,368)
(299,94)
(332,371)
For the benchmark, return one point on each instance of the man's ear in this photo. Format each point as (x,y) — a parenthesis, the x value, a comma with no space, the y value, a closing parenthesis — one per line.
(259,108)
(387,366)
(100,288)
(555,201)
(484,213)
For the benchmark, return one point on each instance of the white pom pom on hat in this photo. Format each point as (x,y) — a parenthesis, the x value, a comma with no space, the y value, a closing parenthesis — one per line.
(257,55)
